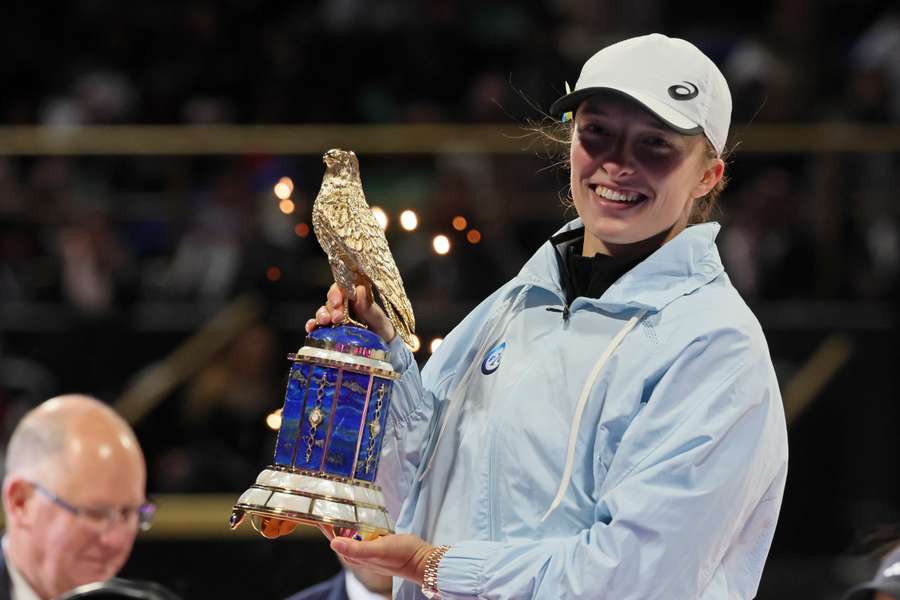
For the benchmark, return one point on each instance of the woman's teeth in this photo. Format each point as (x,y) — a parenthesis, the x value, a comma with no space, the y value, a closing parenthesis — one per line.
(615,196)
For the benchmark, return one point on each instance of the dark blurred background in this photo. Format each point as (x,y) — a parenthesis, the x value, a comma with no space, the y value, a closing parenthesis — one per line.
(172,280)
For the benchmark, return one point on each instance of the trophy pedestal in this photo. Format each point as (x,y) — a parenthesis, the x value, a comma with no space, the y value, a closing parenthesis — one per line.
(282,499)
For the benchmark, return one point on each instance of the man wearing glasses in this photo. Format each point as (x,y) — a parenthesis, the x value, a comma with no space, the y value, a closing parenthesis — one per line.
(74,497)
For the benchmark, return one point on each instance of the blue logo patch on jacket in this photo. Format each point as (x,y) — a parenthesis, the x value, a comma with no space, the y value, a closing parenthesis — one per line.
(492,360)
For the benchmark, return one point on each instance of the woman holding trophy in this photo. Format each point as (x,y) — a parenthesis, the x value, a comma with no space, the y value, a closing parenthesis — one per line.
(608,423)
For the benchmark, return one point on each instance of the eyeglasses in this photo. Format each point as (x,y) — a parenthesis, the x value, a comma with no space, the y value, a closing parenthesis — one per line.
(104,519)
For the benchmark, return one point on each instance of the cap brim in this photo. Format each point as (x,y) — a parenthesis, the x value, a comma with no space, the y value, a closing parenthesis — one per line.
(671,117)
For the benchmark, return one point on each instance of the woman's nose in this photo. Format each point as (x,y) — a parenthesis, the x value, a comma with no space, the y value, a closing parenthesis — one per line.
(616,162)
(617,168)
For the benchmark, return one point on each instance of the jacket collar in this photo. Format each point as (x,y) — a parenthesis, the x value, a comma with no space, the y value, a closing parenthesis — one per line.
(681,266)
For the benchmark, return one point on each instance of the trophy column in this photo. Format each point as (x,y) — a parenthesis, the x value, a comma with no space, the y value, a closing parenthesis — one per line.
(326,457)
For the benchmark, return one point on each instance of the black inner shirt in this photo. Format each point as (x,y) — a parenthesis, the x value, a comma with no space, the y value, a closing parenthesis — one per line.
(590,276)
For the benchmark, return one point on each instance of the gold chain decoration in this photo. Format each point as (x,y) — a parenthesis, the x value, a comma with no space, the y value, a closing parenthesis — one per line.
(374,429)
(316,416)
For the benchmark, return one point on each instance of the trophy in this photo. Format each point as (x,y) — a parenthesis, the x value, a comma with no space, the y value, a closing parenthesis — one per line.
(339,384)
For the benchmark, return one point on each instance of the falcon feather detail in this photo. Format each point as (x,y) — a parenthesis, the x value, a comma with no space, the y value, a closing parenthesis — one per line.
(355,244)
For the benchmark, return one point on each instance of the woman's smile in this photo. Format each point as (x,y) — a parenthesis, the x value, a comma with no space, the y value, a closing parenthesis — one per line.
(617,199)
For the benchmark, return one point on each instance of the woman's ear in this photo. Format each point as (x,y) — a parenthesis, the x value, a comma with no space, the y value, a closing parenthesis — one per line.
(711,175)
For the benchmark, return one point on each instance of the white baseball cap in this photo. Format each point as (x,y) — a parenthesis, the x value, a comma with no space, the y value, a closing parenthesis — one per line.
(670,77)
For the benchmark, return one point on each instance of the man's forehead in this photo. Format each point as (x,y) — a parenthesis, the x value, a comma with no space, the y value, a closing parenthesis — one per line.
(89,452)
(98,439)
(89,457)
(99,482)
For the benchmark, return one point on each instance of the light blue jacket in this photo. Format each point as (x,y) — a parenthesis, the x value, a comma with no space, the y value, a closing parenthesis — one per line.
(632,448)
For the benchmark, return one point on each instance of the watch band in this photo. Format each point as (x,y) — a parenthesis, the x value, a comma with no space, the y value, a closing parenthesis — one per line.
(429,580)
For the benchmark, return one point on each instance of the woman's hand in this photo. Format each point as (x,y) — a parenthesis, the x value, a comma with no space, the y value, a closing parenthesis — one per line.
(363,309)
(399,555)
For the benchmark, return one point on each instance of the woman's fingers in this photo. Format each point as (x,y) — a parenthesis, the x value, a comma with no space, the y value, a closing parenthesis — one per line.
(372,314)
(364,309)
(335,296)
(401,555)
(329,313)
(361,551)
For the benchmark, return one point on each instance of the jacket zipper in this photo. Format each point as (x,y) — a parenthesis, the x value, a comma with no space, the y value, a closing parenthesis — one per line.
(564,310)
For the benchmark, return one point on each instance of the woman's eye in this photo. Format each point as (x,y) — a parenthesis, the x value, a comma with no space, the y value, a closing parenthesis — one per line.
(593,129)
(657,142)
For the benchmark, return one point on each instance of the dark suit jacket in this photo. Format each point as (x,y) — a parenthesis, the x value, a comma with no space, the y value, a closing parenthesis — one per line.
(331,589)
(5,583)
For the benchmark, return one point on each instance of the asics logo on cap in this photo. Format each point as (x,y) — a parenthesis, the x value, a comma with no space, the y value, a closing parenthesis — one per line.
(687,91)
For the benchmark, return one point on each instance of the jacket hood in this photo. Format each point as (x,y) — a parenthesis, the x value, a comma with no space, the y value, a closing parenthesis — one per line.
(681,266)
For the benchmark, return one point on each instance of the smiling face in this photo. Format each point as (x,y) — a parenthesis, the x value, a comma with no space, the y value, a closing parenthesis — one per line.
(634,180)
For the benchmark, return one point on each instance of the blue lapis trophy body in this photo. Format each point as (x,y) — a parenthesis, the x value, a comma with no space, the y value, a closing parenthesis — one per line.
(332,426)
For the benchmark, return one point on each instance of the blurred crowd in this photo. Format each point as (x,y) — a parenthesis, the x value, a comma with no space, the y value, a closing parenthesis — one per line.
(92,247)
(349,61)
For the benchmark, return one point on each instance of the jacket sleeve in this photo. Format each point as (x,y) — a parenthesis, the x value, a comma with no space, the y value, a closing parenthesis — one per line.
(707,449)
(417,401)
(409,424)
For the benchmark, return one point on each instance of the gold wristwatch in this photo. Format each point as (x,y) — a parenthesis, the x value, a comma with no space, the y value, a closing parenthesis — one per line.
(429,580)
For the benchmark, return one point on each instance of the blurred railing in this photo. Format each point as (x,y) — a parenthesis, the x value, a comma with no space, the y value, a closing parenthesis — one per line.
(392,139)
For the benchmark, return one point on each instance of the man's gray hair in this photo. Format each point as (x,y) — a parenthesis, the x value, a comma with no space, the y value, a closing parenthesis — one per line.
(33,444)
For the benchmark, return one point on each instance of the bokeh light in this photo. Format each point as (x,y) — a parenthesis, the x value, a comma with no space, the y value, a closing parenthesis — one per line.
(286,206)
(409,220)
(441,244)
(380,216)
(459,223)
(283,188)
(273,273)
(415,343)
(473,236)
(301,230)
(273,420)
(434,344)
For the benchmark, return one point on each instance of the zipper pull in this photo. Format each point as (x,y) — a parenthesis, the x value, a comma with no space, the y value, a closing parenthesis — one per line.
(564,310)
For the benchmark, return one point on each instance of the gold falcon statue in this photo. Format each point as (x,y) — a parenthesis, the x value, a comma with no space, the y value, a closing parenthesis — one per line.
(355,244)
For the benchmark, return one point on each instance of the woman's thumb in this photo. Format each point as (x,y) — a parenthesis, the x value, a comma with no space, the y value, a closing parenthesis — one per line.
(362,305)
